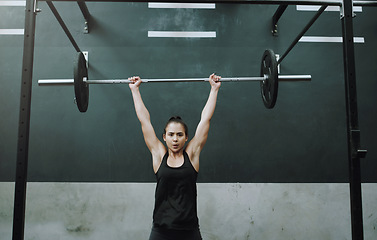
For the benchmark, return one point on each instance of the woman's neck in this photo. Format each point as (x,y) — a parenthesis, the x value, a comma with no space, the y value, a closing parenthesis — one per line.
(175,155)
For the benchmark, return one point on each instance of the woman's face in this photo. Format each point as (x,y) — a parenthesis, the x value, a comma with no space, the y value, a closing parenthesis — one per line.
(175,136)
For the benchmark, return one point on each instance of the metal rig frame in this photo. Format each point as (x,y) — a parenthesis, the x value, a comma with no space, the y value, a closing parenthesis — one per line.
(355,153)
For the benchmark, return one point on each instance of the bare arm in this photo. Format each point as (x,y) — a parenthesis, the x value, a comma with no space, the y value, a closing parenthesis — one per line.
(154,145)
(199,140)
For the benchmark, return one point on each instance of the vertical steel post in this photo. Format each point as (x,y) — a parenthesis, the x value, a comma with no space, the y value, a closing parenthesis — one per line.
(353,132)
(24,122)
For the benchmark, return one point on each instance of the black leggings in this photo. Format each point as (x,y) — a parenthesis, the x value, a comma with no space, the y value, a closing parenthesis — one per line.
(167,234)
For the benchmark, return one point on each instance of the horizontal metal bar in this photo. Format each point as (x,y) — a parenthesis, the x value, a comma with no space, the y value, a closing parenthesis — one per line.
(271,2)
(230,79)
(68,82)
(365,3)
(268,2)
(294,78)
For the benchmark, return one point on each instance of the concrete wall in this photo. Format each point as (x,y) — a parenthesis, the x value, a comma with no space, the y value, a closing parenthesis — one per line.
(232,211)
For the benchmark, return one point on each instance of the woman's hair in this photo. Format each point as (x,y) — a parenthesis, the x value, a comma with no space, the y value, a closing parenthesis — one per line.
(176,119)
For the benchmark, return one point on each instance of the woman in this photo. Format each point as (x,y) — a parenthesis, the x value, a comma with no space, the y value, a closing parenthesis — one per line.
(176,167)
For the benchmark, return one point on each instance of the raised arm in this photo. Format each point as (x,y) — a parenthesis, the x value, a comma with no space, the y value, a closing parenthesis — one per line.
(154,145)
(197,143)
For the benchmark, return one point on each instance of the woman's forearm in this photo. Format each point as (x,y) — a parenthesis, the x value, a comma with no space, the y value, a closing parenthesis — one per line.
(210,106)
(141,111)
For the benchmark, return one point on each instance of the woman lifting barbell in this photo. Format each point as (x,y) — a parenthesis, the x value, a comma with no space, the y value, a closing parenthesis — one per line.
(176,167)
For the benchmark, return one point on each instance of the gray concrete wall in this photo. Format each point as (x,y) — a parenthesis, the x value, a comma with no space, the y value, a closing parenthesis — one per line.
(232,211)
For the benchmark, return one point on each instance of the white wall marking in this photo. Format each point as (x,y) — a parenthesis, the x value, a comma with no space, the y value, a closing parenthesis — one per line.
(181,34)
(12,3)
(183,5)
(329,8)
(11,31)
(329,39)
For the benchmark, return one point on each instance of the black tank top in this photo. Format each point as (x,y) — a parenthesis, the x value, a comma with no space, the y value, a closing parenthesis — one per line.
(175,197)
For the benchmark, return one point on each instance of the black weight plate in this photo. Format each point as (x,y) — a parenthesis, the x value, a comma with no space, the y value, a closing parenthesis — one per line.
(81,88)
(269,87)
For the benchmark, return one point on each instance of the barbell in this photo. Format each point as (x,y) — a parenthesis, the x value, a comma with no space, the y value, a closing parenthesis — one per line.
(269,80)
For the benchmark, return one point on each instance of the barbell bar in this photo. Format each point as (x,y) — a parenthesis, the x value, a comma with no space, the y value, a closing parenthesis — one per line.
(269,79)
(70,82)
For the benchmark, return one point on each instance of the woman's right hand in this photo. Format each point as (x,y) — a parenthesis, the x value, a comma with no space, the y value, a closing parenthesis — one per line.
(215,81)
(135,82)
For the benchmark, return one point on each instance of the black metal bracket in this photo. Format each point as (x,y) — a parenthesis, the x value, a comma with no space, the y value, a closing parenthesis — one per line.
(342,10)
(62,24)
(86,14)
(276,17)
(356,151)
(306,28)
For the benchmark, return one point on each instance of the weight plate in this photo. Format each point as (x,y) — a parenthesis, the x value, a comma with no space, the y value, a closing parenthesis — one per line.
(269,87)
(81,88)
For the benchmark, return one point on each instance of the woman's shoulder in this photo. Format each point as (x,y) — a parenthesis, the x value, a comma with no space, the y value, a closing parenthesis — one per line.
(193,159)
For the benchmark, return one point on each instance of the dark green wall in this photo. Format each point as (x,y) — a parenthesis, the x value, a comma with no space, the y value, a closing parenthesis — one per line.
(303,139)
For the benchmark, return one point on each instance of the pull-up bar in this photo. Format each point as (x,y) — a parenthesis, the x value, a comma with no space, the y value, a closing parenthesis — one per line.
(270,2)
